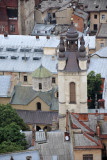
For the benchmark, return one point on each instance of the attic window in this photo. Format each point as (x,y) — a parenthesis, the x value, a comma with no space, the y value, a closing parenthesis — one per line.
(11,49)
(14,57)
(25,50)
(25,58)
(3,57)
(97,6)
(36,58)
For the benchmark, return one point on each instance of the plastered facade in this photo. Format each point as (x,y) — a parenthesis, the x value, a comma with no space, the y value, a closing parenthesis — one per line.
(99,42)
(25,16)
(78,154)
(93,20)
(33,105)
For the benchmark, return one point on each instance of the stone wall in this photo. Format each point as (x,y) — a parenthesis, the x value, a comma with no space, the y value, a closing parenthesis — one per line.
(26,16)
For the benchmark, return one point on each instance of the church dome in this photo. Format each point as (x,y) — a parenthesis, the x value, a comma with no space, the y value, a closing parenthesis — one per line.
(42,79)
(72,33)
(41,72)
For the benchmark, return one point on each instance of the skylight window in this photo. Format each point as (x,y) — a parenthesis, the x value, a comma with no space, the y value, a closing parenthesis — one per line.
(38,50)
(14,57)
(36,58)
(25,58)
(3,57)
(11,49)
(25,50)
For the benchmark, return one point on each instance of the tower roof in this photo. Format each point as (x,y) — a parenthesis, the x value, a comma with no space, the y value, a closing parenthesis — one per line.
(41,72)
(72,33)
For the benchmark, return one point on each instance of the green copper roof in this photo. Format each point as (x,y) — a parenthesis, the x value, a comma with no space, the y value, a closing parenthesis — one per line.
(41,72)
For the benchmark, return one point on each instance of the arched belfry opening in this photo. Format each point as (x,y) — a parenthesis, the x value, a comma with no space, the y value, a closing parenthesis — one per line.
(72,93)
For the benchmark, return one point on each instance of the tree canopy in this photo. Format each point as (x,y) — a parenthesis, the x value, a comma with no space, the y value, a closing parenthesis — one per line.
(94,83)
(11,139)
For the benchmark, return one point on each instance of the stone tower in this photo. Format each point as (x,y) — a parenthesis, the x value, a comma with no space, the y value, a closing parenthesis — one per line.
(72,76)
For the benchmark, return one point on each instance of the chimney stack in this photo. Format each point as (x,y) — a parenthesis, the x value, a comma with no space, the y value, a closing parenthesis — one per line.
(37,37)
(98,129)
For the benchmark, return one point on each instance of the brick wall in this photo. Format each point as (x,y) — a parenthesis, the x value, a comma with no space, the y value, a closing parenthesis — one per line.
(79,23)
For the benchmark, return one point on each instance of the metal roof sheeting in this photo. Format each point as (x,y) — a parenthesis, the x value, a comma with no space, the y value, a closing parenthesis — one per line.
(4,85)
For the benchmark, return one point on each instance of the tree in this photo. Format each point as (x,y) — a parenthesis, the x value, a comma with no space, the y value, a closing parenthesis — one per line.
(94,83)
(11,139)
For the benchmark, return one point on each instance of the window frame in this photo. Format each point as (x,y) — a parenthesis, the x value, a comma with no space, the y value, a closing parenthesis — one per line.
(95,16)
(25,78)
(38,104)
(88,157)
(53,80)
(40,85)
(103,16)
(12,27)
(72,87)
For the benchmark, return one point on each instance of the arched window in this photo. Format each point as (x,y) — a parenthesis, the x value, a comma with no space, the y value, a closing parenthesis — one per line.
(38,106)
(72,93)
(38,128)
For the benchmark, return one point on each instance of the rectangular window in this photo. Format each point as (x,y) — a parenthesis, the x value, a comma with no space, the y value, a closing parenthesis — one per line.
(88,157)
(53,80)
(53,15)
(95,27)
(40,85)
(25,78)
(103,17)
(12,28)
(101,45)
(95,16)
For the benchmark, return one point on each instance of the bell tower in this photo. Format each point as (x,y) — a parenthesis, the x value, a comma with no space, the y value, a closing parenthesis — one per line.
(72,76)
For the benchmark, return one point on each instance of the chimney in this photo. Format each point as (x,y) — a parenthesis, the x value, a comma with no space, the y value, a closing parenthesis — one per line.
(48,37)
(33,135)
(37,37)
(98,129)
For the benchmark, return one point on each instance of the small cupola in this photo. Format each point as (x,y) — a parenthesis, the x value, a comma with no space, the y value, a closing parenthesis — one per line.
(72,38)
(42,79)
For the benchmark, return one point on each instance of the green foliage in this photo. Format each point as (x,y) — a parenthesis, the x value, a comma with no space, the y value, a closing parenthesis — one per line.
(94,83)
(9,115)
(11,139)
